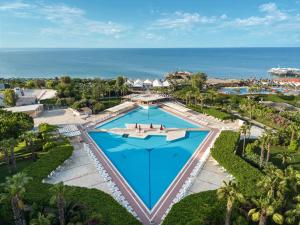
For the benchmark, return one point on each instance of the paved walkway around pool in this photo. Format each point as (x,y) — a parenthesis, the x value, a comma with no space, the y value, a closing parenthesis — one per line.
(210,177)
(79,171)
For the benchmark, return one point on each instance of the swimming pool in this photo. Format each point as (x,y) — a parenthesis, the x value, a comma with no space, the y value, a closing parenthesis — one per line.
(245,90)
(149,165)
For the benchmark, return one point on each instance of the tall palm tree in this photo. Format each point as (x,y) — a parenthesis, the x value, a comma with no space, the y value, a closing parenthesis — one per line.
(244,130)
(188,96)
(29,137)
(262,142)
(200,97)
(270,139)
(229,192)
(270,199)
(5,148)
(12,143)
(58,192)
(14,191)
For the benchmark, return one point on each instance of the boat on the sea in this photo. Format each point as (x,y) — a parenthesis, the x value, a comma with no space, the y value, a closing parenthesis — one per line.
(285,72)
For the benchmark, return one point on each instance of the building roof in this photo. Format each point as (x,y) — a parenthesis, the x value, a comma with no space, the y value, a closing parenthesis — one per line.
(166,83)
(157,83)
(138,83)
(25,108)
(148,82)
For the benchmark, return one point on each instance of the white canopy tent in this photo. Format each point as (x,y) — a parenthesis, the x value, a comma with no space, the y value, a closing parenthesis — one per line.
(138,83)
(157,83)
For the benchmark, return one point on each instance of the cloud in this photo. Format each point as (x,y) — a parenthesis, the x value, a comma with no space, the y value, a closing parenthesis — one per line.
(10,6)
(152,36)
(64,19)
(181,20)
(271,15)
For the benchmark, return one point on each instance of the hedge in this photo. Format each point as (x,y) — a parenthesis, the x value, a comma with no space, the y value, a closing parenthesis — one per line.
(212,112)
(200,208)
(96,201)
(224,152)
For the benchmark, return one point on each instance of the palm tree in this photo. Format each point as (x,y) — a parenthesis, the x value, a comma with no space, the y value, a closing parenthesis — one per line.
(293,129)
(244,130)
(29,137)
(200,97)
(262,142)
(271,192)
(229,192)
(12,143)
(4,149)
(58,197)
(188,96)
(41,220)
(270,139)
(285,157)
(14,191)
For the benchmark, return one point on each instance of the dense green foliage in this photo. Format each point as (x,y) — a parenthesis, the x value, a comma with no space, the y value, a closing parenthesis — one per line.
(217,113)
(224,152)
(96,202)
(201,208)
(12,125)
(9,97)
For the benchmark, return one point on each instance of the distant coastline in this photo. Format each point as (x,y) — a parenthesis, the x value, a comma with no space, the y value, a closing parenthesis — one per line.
(152,63)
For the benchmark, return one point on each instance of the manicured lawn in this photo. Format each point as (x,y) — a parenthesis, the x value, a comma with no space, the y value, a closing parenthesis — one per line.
(20,166)
(212,112)
(293,100)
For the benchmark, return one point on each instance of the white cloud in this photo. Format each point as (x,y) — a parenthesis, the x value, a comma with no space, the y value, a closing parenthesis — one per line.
(271,15)
(64,19)
(10,6)
(181,20)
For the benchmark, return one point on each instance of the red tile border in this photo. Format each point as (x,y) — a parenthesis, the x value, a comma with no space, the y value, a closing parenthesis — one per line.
(165,202)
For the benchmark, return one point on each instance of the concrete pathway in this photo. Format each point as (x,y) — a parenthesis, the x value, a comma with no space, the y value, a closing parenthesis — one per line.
(210,177)
(79,171)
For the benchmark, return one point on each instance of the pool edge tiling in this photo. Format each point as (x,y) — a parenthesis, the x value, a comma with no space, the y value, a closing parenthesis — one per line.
(155,215)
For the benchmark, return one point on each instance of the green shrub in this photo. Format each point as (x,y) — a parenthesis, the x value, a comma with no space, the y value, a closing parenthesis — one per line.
(212,112)
(200,208)
(224,152)
(293,146)
(96,201)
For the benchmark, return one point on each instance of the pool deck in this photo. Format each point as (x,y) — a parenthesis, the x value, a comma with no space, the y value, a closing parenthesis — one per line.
(158,212)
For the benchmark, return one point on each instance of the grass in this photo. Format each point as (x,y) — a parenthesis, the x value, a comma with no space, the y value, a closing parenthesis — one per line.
(275,150)
(212,112)
(21,164)
(293,100)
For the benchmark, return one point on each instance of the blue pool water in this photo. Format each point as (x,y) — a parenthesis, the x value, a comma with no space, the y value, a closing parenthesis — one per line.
(245,90)
(148,165)
(147,116)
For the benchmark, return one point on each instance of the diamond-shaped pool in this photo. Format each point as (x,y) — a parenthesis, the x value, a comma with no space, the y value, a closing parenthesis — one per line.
(149,165)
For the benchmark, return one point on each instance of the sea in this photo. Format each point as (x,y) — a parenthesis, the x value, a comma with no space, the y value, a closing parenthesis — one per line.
(240,63)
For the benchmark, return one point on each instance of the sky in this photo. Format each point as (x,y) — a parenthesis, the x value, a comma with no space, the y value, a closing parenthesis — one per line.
(149,23)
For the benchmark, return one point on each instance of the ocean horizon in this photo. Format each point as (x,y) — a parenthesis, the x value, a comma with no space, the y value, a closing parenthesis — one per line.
(238,63)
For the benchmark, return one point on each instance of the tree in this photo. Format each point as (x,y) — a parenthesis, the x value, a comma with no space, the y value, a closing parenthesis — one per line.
(244,130)
(270,138)
(65,80)
(200,97)
(229,192)
(262,142)
(5,149)
(198,80)
(46,130)
(270,197)
(98,107)
(9,98)
(29,137)
(285,157)
(12,125)
(293,128)
(14,191)
(58,192)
